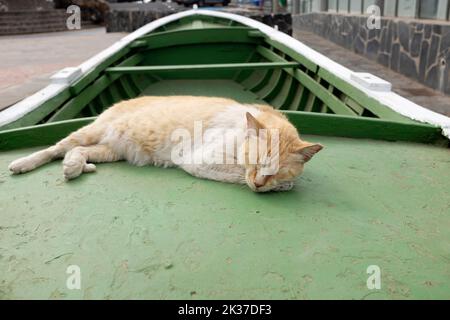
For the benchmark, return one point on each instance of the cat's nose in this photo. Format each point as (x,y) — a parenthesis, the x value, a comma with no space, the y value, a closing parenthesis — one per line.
(260,181)
(258,185)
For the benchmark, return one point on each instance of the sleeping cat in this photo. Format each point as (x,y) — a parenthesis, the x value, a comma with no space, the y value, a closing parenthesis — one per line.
(141,131)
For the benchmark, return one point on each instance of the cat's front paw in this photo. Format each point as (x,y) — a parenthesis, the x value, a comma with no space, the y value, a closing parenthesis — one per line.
(21,165)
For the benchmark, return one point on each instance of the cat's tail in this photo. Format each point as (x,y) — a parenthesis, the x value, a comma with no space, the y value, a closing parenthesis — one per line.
(85,136)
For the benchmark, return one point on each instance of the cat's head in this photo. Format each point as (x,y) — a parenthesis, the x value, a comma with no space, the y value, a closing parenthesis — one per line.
(277,168)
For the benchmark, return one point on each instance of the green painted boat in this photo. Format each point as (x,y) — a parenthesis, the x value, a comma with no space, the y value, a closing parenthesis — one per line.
(374,203)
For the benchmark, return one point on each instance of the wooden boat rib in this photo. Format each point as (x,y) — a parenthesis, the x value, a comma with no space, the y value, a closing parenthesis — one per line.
(160,233)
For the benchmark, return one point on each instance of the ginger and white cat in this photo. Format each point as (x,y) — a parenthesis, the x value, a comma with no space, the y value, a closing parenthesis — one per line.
(140,131)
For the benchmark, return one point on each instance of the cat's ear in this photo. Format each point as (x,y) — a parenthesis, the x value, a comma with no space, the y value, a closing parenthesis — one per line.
(253,125)
(308,150)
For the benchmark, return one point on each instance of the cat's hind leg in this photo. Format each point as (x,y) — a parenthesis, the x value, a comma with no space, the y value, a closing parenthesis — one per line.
(78,160)
(84,136)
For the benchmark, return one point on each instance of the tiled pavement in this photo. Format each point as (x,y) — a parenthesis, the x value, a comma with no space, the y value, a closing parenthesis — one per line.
(27,61)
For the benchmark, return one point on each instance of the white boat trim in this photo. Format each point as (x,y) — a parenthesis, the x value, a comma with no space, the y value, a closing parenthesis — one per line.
(392,100)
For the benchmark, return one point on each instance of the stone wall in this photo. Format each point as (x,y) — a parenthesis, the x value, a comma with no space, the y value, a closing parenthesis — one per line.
(282,20)
(25,5)
(129,17)
(417,48)
(21,22)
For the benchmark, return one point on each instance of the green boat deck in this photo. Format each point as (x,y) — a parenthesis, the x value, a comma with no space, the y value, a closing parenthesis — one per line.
(160,233)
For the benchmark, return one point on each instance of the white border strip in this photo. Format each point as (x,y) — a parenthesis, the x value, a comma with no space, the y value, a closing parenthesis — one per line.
(390,99)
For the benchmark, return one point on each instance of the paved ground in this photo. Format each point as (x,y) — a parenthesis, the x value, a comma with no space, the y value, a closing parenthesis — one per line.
(404,86)
(27,61)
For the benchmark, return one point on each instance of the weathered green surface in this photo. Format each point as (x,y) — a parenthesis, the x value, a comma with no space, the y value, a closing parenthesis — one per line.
(160,233)
(210,88)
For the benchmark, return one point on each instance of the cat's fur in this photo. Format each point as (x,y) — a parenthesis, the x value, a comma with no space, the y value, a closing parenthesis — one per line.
(139,131)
